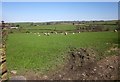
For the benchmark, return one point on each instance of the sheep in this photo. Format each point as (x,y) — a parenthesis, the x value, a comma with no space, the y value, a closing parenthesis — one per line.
(45,33)
(65,33)
(48,34)
(55,32)
(115,30)
(38,35)
(78,32)
(73,33)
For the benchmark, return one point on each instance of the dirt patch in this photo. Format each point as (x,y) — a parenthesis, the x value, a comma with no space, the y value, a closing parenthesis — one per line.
(82,65)
(81,57)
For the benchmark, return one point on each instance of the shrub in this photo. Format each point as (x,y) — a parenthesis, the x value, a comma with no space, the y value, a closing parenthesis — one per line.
(27,31)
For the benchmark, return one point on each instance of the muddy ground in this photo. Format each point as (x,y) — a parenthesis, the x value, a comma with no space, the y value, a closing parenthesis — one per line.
(82,64)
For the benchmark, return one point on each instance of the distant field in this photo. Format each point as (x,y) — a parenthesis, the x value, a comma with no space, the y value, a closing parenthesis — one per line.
(57,27)
(46,28)
(42,53)
(62,27)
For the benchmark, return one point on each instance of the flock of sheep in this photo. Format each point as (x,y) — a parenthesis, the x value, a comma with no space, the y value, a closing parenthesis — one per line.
(63,33)
(48,34)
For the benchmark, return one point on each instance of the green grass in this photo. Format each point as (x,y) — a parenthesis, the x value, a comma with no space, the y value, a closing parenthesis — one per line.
(61,27)
(52,27)
(42,53)
(46,28)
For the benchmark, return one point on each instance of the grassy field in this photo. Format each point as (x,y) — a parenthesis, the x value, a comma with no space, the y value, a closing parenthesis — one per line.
(52,27)
(42,53)
(61,27)
(46,28)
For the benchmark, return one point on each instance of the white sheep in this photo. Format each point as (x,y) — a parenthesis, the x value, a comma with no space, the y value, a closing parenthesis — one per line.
(55,32)
(48,34)
(45,33)
(66,33)
(73,33)
(115,30)
(78,32)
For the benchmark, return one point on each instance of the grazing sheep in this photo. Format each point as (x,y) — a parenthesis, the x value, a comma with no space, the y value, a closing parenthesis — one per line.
(78,32)
(115,30)
(55,32)
(65,33)
(45,33)
(73,33)
(48,34)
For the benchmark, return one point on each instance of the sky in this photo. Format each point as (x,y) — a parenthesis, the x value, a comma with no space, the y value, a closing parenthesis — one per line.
(60,0)
(58,11)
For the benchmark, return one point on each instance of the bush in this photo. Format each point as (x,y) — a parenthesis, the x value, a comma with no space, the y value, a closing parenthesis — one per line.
(27,31)
(51,32)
